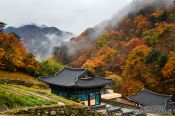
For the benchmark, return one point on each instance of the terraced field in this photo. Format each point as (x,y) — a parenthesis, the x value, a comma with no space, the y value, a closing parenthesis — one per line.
(18,96)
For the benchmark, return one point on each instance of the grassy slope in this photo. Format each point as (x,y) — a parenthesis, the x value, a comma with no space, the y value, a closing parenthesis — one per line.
(20,76)
(18,96)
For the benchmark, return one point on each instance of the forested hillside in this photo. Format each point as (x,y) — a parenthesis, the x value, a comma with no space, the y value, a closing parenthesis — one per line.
(140,48)
(14,57)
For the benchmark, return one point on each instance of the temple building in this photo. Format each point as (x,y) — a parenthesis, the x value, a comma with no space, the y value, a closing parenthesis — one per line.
(77,84)
(149,99)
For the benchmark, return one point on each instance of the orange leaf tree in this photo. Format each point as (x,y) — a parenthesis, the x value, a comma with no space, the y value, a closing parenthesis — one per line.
(101,59)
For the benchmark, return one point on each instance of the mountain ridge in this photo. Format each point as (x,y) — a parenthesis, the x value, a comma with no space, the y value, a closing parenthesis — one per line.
(36,37)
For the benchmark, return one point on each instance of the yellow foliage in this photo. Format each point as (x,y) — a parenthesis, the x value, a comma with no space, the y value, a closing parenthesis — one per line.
(138,55)
(108,73)
(164,27)
(169,70)
(118,81)
(158,13)
(101,58)
(142,23)
(131,87)
(14,52)
(135,60)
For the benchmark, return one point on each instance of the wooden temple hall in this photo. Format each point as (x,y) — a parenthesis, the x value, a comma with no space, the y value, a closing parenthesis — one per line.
(77,84)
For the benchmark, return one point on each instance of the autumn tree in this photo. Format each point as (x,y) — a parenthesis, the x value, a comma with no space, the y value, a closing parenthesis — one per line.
(152,56)
(142,24)
(102,41)
(158,16)
(155,36)
(31,65)
(118,81)
(14,56)
(169,70)
(151,37)
(14,52)
(132,43)
(135,61)
(131,87)
(101,60)
(169,75)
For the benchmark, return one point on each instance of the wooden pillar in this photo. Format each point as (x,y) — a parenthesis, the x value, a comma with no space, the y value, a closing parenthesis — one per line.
(89,100)
(99,98)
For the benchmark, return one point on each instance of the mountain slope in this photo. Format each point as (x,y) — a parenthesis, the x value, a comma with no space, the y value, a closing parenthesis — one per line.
(40,40)
(139,47)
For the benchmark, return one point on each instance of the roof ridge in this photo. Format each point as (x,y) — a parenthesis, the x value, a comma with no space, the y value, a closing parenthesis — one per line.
(76,80)
(53,75)
(129,97)
(156,93)
(71,68)
(66,67)
(58,72)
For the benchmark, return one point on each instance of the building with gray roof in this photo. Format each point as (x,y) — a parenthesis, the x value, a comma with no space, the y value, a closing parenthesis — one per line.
(77,84)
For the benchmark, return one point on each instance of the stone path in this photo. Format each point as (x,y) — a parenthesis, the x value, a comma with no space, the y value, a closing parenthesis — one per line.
(124,109)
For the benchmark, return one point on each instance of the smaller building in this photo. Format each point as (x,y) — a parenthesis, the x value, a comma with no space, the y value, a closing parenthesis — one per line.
(77,84)
(152,100)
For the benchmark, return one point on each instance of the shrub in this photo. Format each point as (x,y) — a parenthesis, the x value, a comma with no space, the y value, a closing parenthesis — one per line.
(49,67)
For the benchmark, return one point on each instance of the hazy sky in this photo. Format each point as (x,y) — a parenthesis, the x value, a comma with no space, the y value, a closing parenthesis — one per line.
(68,15)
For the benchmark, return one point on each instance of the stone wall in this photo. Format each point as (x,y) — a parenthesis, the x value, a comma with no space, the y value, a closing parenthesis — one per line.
(24,83)
(54,110)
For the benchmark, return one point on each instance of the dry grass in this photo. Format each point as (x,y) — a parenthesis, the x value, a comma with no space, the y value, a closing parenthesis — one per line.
(19,76)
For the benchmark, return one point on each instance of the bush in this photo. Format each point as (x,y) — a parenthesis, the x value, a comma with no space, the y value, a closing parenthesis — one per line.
(49,67)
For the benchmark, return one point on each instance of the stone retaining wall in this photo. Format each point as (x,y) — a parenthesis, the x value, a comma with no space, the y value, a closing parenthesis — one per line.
(54,110)
(20,82)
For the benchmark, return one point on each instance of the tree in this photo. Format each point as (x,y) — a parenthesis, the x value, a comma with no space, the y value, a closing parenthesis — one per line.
(101,60)
(118,81)
(14,52)
(169,70)
(132,43)
(151,37)
(102,41)
(162,60)
(158,16)
(49,67)
(158,34)
(141,23)
(14,56)
(131,87)
(31,65)
(152,56)
(135,61)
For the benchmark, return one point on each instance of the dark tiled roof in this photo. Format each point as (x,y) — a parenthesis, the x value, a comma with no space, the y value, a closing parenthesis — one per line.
(150,98)
(72,77)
